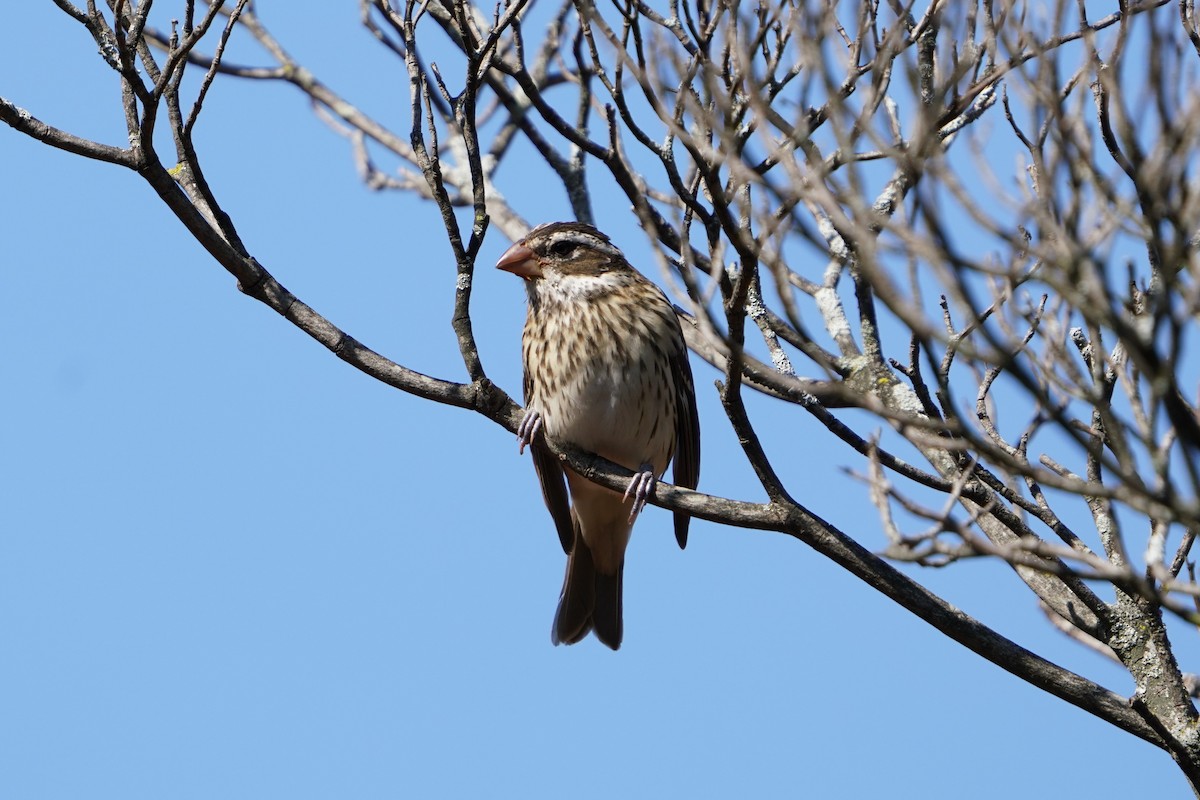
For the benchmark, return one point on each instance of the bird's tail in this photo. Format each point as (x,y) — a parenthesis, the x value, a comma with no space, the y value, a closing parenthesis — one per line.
(590,600)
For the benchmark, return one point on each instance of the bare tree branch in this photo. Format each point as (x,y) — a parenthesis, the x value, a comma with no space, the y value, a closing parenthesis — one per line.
(825,176)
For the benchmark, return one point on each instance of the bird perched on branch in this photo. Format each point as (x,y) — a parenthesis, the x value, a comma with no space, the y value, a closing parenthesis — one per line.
(606,370)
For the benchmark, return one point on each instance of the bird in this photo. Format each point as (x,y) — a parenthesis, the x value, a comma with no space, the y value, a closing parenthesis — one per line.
(605,370)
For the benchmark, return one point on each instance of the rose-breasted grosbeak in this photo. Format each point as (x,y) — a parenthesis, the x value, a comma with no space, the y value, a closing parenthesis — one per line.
(606,370)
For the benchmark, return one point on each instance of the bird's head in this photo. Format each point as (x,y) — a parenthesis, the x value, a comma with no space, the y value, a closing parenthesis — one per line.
(560,251)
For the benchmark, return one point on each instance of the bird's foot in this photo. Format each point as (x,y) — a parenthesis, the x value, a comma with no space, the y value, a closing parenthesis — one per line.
(527,431)
(640,487)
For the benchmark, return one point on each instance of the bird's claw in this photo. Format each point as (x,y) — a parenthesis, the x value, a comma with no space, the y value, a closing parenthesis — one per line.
(527,431)
(640,487)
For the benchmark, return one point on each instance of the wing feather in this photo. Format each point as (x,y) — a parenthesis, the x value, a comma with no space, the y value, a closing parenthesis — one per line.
(687,434)
(550,474)
(554,492)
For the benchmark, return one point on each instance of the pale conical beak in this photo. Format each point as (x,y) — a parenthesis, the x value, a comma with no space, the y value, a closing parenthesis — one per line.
(520,260)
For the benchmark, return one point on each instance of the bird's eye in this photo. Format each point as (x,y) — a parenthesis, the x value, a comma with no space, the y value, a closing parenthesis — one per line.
(563,248)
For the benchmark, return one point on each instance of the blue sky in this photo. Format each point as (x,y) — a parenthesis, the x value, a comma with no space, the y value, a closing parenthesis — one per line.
(231,566)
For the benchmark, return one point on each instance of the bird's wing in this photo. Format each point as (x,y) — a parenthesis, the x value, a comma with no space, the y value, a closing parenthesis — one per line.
(554,492)
(687,434)
(553,480)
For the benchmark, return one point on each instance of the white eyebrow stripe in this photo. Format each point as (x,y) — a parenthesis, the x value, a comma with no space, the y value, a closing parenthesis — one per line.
(585,239)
